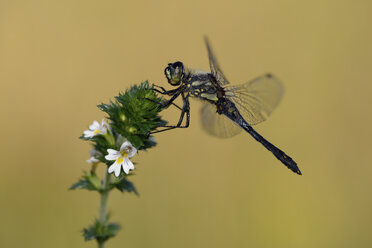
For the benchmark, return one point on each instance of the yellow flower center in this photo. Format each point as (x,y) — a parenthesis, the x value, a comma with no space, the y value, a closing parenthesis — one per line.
(97,131)
(119,160)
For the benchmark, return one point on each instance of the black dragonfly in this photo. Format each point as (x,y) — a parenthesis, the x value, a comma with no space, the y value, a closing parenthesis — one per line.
(228,109)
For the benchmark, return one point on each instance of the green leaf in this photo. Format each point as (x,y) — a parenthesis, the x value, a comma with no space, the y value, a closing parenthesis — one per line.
(101,232)
(83,184)
(89,233)
(89,181)
(112,229)
(126,186)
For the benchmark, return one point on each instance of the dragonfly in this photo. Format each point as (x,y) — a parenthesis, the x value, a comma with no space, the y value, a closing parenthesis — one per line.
(228,109)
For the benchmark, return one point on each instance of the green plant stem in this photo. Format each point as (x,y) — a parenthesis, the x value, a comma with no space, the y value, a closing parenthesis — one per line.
(103,205)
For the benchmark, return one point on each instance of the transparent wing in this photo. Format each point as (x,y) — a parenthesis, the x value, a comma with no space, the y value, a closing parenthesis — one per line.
(256,99)
(216,124)
(215,69)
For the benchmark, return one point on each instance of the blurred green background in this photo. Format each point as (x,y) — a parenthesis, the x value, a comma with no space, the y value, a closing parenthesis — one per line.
(59,59)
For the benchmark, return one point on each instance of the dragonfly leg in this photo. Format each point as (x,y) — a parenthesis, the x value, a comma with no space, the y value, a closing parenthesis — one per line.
(185,111)
(170,101)
(159,103)
(165,92)
(162,88)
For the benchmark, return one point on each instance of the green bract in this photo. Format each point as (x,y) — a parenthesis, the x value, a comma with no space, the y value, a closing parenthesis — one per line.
(134,114)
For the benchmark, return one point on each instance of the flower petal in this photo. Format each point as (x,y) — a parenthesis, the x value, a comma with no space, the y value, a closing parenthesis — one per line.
(104,123)
(112,167)
(92,160)
(88,134)
(125,144)
(126,167)
(129,163)
(117,170)
(112,154)
(112,151)
(103,130)
(132,152)
(92,152)
(94,126)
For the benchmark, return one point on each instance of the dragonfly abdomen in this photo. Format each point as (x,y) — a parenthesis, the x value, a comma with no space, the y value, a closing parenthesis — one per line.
(279,154)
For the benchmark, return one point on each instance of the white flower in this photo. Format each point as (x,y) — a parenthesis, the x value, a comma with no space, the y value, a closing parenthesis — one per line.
(121,158)
(93,156)
(96,129)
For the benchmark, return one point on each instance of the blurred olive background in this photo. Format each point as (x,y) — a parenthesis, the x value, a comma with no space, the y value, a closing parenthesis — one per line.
(59,59)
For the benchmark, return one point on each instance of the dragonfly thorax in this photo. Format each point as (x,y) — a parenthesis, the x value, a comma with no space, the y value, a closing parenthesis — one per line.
(202,89)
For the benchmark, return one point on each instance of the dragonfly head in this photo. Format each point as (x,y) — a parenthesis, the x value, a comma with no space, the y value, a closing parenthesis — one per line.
(174,73)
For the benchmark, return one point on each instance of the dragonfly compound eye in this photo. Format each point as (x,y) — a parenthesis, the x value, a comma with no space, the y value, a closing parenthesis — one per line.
(174,73)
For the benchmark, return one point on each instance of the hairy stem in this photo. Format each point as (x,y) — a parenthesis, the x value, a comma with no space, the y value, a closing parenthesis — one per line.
(103,204)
